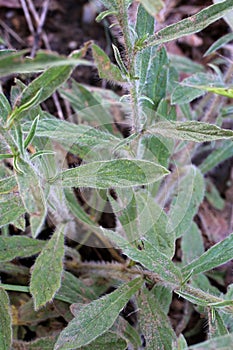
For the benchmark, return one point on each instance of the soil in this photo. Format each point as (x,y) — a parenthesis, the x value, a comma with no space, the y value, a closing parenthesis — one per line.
(69,24)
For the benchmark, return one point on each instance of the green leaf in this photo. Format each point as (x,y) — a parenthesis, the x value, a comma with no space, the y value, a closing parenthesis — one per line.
(216,324)
(213,196)
(155,84)
(154,322)
(119,173)
(184,206)
(189,88)
(16,62)
(31,133)
(220,343)
(152,6)
(217,255)
(41,88)
(221,153)
(91,106)
(5,321)
(32,195)
(228,17)
(225,39)
(194,250)
(11,210)
(5,107)
(47,270)
(7,184)
(18,246)
(223,91)
(69,134)
(184,64)
(126,331)
(141,217)
(94,319)
(145,23)
(190,25)
(143,252)
(74,290)
(106,69)
(191,131)
(107,341)
(104,14)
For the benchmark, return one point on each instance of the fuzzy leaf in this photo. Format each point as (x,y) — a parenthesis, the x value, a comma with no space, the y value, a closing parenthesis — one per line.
(5,321)
(69,134)
(217,255)
(16,62)
(10,210)
(94,319)
(73,290)
(38,344)
(107,341)
(191,131)
(194,250)
(152,6)
(225,39)
(149,256)
(190,25)
(18,246)
(32,195)
(154,323)
(106,69)
(119,173)
(8,184)
(184,206)
(189,88)
(220,154)
(47,270)
(5,107)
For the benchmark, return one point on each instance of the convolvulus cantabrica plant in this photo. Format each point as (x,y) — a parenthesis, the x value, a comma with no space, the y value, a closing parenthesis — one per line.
(145,180)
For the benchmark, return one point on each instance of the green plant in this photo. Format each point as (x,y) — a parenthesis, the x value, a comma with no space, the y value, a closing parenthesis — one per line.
(39,186)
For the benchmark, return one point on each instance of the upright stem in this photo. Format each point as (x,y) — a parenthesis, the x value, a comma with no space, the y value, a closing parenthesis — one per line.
(130,59)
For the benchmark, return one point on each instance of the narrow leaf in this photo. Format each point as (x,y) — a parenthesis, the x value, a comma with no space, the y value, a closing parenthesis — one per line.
(8,184)
(184,206)
(189,88)
(5,107)
(152,6)
(32,195)
(94,319)
(120,173)
(149,256)
(194,250)
(191,131)
(190,25)
(225,39)
(70,133)
(154,322)
(16,62)
(109,340)
(45,85)
(18,246)
(220,154)
(5,321)
(11,210)
(216,324)
(74,290)
(217,255)
(106,69)
(46,274)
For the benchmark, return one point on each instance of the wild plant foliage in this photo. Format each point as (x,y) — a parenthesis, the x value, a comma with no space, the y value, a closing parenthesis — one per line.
(147,179)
